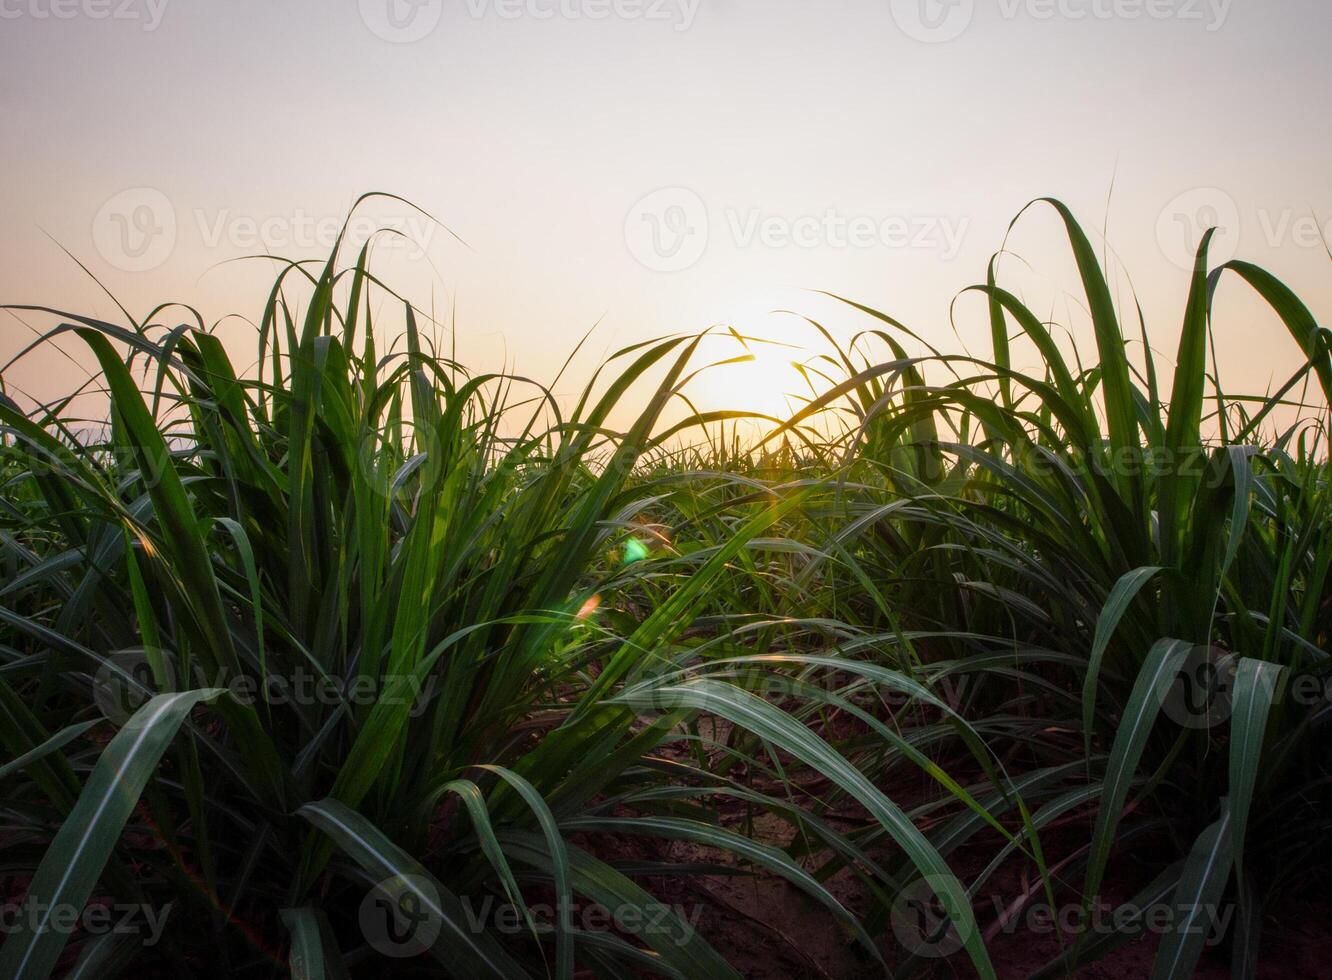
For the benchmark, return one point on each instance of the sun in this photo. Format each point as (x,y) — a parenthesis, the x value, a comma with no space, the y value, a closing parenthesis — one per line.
(769,381)
(756,366)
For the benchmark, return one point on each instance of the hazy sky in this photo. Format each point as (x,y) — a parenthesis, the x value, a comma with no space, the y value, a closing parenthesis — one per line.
(661,165)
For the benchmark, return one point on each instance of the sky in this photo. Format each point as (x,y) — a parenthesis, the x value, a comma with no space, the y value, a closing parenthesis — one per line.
(644,167)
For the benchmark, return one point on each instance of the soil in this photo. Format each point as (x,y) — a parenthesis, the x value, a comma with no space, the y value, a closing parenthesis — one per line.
(770,930)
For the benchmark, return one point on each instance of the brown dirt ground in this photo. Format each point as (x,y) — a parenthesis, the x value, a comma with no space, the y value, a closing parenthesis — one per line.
(769,930)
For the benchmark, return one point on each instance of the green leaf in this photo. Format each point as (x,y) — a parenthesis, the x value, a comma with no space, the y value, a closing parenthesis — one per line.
(105,956)
(1116,604)
(697,832)
(1253,691)
(307,950)
(72,864)
(776,726)
(564,951)
(1158,672)
(1184,425)
(1195,903)
(461,950)
(1120,413)
(180,530)
(680,946)
(57,741)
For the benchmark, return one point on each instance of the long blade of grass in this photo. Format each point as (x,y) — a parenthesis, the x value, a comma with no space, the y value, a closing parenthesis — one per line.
(1159,670)
(1254,688)
(1116,604)
(465,953)
(776,726)
(1196,898)
(79,851)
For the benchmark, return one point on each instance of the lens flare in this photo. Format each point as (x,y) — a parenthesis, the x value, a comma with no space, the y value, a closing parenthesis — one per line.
(634,550)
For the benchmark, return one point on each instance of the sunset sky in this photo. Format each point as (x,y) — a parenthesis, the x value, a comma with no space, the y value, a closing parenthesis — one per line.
(655,166)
